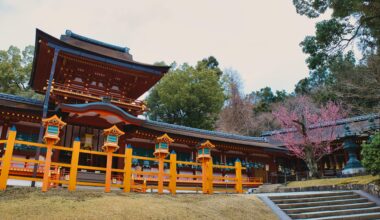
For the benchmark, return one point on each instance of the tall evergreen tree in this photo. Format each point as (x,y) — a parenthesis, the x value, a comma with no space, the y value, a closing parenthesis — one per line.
(351,21)
(190,96)
(15,69)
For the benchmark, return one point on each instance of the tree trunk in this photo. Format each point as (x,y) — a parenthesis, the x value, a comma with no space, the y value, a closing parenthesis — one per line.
(311,163)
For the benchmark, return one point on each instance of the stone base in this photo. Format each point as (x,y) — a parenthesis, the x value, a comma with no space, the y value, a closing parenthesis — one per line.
(353,171)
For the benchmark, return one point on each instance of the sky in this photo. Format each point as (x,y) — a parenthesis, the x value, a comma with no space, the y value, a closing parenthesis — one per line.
(258,39)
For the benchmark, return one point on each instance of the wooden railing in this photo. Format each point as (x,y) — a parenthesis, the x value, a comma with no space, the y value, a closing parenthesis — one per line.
(90,94)
(127,178)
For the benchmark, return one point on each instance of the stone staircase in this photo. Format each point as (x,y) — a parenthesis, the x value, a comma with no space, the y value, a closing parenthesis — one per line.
(327,205)
(267,188)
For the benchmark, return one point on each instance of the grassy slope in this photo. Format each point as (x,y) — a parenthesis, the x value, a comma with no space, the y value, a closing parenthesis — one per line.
(335,181)
(27,203)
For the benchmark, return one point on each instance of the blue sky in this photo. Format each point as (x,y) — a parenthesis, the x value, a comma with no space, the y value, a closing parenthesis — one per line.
(259,39)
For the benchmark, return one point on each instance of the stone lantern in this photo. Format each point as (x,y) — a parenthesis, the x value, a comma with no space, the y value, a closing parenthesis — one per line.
(353,165)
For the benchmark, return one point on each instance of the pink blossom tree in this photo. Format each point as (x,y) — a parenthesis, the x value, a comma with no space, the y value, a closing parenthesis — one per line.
(308,131)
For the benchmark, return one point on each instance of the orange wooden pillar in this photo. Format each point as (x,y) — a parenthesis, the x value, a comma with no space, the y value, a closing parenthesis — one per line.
(210,178)
(173,173)
(160,152)
(110,145)
(207,176)
(127,169)
(204,176)
(47,172)
(3,136)
(238,176)
(52,125)
(108,181)
(161,172)
(74,165)
(204,155)
(144,186)
(7,158)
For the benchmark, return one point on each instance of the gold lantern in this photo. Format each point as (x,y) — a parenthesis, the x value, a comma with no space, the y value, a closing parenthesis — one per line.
(162,145)
(53,126)
(111,138)
(204,150)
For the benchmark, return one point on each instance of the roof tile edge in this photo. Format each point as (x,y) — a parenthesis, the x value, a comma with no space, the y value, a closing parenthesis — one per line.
(96,42)
(324,124)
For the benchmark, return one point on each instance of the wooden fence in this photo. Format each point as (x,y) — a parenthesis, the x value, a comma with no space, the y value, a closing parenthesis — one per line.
(51,174)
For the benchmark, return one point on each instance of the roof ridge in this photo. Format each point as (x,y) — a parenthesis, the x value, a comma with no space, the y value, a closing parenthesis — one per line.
(96,42)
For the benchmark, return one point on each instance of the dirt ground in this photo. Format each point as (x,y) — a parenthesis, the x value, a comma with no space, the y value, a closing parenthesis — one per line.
(29,203)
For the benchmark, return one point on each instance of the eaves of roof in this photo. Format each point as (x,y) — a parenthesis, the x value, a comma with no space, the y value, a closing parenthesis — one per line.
(20,99)
(325,124)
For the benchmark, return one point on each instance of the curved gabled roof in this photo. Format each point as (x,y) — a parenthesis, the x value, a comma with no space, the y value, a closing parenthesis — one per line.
(171,128)
(103,106)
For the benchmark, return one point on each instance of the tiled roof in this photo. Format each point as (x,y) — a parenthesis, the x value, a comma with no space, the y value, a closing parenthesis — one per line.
(20,99)
(325,124)
(207,132)
(97,42)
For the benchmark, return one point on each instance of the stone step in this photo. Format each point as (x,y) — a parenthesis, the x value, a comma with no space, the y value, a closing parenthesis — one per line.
(374,215)
(320,214)
(267,188)
(312,195)
(330,207)
(321,203)
(315,199)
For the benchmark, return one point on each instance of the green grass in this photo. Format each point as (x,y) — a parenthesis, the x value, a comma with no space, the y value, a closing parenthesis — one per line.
(335,181)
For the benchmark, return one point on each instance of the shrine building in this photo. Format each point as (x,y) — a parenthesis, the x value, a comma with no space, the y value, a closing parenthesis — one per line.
(91,86)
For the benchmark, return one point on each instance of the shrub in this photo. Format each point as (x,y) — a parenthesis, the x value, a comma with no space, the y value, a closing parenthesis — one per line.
(371,154)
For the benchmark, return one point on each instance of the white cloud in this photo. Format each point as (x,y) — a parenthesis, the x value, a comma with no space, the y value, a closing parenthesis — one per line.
(257,38)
